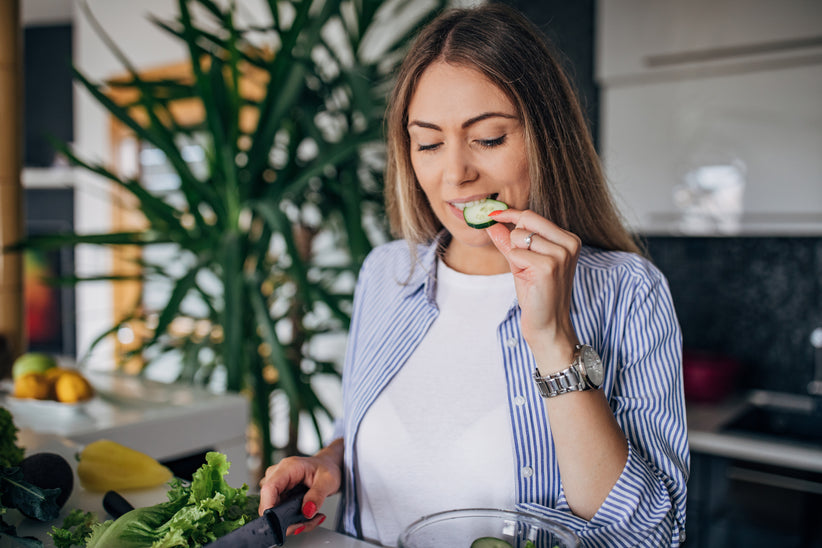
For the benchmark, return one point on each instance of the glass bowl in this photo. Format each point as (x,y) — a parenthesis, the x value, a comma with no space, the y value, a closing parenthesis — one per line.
(460,528)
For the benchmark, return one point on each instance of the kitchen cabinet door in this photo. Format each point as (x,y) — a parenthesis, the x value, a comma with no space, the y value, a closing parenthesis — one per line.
(637,38)
(737,153)
(740,503)
(711,117)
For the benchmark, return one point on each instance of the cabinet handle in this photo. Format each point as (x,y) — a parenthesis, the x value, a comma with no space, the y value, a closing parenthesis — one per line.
(730,52)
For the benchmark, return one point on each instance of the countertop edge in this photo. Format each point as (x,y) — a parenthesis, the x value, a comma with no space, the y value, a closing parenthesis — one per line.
(706,435)
(786,454)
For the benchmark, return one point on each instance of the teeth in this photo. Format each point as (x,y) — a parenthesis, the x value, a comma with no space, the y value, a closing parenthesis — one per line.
(461,206)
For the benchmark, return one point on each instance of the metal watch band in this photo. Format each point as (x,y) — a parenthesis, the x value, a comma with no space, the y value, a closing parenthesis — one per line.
(562,382)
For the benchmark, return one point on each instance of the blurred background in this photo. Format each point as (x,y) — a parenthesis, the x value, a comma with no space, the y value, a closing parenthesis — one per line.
(708,116)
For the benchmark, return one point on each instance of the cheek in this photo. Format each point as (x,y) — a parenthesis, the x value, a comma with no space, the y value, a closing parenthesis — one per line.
(511,173)
(425,176)
(522,181)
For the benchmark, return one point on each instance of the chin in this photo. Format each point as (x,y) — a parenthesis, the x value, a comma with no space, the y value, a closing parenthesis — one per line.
(470,236)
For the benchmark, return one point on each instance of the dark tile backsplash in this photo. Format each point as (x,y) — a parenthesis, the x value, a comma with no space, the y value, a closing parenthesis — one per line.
(756,299)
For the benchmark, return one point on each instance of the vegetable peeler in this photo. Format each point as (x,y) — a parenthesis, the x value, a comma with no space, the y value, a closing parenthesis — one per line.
(269,529)
(263,532)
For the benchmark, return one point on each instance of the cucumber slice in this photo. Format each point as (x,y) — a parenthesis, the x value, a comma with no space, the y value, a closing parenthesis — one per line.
(490,542)
(476,214)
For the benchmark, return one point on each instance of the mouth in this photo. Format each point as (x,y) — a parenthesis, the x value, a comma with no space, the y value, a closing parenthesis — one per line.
(462,205)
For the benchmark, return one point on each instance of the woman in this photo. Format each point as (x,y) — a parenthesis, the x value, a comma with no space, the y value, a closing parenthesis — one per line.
(471,375)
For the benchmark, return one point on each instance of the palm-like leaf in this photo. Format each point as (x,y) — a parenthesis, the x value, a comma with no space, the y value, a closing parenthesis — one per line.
(251,221)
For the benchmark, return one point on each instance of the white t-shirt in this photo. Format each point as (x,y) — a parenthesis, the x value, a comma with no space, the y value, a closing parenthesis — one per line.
(439,436)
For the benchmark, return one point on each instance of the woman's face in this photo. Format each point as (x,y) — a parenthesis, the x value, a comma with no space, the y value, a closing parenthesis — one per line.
(467,143)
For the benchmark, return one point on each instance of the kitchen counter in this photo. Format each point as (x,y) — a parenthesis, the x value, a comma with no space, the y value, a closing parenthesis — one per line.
(93,502)
(165,421)
(325,537)
(749,488)
(706,435)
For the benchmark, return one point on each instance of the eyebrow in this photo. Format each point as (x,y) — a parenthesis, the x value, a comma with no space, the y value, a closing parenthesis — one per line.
(466,124)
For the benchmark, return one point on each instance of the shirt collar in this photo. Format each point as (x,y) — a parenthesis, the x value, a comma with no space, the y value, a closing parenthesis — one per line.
(424,276)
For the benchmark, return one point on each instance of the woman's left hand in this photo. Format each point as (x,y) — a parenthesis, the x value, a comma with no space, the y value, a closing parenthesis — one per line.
(543,259)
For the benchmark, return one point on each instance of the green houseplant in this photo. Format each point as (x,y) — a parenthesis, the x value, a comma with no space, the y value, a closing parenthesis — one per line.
(273,231)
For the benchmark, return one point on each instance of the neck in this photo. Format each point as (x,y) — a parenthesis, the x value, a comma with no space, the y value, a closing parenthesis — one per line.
(481,261)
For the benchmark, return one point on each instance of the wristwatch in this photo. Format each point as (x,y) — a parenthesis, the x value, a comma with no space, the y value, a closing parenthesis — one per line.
(586,372)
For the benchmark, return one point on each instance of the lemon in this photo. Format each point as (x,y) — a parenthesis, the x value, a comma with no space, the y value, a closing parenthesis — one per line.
(33,386)
(54,372)
(72,387)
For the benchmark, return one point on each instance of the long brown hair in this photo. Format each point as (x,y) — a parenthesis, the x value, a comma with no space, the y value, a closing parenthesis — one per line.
(567,183)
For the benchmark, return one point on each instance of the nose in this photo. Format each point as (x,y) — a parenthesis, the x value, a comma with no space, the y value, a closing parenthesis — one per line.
(459,167)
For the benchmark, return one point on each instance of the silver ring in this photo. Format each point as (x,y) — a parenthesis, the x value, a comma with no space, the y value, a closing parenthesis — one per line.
(529,239)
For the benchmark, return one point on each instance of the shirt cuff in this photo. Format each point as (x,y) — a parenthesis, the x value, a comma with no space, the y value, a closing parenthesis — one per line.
(638,511)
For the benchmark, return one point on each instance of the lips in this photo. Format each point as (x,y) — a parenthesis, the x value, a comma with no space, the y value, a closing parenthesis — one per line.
(461,205)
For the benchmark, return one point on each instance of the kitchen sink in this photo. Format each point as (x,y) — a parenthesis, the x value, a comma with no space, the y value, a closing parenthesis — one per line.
(792,417)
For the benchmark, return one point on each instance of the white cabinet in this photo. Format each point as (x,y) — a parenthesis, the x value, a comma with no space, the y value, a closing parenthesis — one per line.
(646,37)
(712,114)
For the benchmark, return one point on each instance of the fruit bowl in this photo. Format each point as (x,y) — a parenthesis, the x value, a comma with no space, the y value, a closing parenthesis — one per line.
(24,405)
(481,527)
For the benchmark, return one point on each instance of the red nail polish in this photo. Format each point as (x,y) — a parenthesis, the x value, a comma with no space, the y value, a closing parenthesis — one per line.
(497,212)
(299,529)
(309,509)
(322,519)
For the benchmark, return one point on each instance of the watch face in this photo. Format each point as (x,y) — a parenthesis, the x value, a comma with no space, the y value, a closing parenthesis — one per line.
(592,365)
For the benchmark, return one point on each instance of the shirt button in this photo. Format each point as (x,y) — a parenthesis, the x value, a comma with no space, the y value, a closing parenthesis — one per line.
(511,342)
(527,471)
(519,401)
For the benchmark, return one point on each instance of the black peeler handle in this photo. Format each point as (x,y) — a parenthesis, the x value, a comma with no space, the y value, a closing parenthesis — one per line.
(115,504)
(287,512)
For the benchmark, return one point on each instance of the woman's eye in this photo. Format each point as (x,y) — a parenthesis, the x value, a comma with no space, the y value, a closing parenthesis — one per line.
(491,143)
(424,148)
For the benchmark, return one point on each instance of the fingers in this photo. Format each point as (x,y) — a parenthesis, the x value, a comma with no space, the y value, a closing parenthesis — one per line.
(305,526)
(501,237)
(313,472)
(278,479)
(321,473)
(531,232)
(529,240)
(543,259)
(286,475)
(313,501)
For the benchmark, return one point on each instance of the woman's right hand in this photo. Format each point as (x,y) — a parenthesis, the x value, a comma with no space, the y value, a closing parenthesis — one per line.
(321,473)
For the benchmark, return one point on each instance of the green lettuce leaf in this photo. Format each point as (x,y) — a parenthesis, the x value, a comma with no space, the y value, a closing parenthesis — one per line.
(138,528)
(77,525)
(10,453)
(194,515)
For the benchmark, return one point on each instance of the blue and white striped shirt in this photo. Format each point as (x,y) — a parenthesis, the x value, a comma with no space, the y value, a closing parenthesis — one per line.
(622,307)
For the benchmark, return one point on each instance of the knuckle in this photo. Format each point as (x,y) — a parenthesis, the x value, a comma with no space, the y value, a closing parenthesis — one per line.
(288,462)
